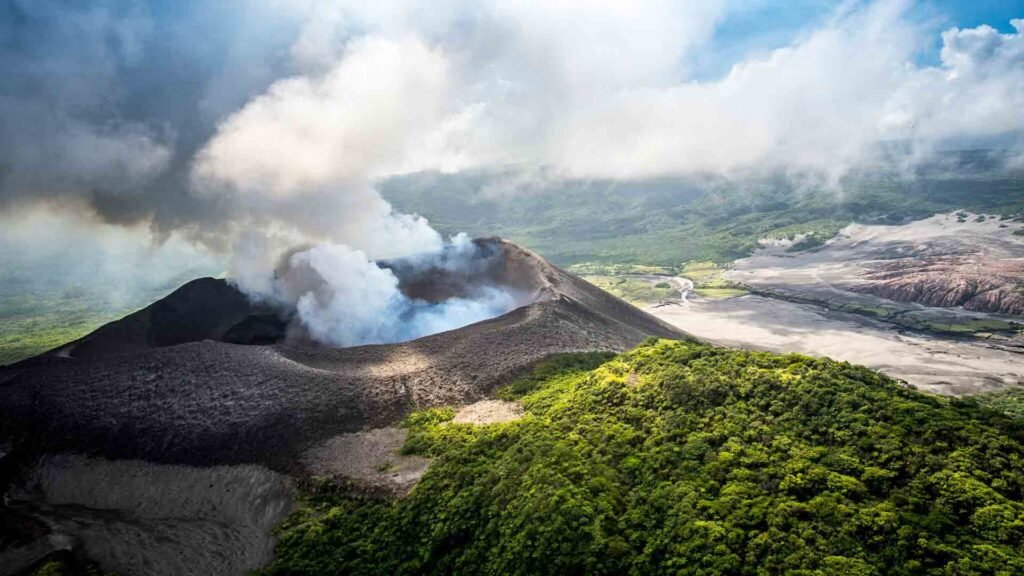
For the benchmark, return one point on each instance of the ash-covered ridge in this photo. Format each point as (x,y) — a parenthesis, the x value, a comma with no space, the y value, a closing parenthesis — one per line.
(205,377)
(975,281)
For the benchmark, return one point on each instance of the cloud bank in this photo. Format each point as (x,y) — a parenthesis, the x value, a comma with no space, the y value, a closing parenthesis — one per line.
(268,122)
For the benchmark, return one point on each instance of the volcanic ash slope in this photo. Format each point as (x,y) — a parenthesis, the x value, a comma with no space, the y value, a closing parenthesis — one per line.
(165,385)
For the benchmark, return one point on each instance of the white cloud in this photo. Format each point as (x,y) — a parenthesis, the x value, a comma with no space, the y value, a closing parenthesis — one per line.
(977,91)
(305,133)
(303,152)
(51,249)
(586,88)
(814,104)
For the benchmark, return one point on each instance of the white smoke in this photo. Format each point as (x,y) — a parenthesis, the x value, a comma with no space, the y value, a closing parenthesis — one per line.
(297,163)
(342,298)
(302,155)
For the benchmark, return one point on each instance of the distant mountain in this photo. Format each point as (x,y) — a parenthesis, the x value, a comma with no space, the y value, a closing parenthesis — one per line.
(702,217)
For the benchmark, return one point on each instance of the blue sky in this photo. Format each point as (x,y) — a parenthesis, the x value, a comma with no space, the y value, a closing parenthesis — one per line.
(754,26)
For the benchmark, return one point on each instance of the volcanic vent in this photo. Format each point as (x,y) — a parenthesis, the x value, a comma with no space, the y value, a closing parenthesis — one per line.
(206,377)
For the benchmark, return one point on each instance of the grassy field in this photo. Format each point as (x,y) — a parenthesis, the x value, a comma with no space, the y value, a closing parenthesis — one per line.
(709,280)
(633,290)
(596,269)
(34,323)
(721,293)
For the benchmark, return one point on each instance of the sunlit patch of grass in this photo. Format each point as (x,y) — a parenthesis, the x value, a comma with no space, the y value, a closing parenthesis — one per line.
(633,289)
(602,269)
(30,325)
(973,326)
(721,293)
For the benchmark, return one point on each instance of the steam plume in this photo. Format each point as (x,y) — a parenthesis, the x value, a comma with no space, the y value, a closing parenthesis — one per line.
(340,297)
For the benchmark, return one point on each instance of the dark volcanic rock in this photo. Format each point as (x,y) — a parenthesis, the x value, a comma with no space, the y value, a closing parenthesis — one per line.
(259,329)
(130,391)
(203,309)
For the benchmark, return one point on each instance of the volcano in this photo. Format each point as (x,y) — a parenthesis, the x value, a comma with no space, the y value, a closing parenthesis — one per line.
(167,442)
(205,377)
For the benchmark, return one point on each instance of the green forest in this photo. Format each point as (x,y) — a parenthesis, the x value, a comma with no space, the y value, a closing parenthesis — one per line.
(684,458)
(699,218)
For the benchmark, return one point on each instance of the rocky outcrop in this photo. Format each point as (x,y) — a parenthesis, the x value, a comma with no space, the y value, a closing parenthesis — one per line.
(1003,300)
(971,281)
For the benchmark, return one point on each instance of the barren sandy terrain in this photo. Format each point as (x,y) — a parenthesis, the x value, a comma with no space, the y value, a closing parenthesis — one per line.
(369,459)
(945,263)
(933,364)
(955,260)
(488,412)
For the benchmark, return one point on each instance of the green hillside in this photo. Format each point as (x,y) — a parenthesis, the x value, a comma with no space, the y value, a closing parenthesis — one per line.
(701,218)
(682,458)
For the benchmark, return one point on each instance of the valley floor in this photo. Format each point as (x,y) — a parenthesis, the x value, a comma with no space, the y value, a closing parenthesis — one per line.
(932,329)
(930,363)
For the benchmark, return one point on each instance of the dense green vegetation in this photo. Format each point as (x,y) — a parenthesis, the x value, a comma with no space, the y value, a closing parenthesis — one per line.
(705,218)
(690,459)
(1007,400)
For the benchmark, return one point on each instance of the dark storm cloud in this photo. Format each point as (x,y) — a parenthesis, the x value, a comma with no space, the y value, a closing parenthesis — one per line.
(105,103)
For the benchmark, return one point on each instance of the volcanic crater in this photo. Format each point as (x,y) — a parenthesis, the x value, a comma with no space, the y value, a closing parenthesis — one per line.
(206,378)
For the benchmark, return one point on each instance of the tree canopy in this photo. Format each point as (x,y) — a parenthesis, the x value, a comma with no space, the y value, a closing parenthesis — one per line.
(683,458)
